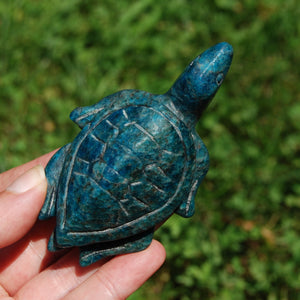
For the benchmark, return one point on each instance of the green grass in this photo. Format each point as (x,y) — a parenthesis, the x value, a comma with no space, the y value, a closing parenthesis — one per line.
(244,240)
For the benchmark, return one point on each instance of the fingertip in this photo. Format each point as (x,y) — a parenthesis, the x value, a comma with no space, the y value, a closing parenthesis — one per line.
(152,257)
(159,251)
(20,204)
(34,177)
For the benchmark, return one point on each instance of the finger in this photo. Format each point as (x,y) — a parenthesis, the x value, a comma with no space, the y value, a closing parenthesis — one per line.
(4,295)
(27,257)
(20,204)
(58,280)
(121,276)
(6,178)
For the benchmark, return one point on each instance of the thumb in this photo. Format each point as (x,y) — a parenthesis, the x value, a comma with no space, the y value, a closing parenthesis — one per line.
(20,204)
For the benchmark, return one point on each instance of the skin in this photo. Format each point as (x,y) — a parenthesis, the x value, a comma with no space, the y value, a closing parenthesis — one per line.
(29,271)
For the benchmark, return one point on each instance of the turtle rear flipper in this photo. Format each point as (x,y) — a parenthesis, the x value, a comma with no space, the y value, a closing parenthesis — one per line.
(52,246)
(53,171)
(92,253)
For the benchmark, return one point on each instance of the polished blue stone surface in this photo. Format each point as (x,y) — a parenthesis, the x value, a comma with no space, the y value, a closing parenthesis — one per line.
(136,161)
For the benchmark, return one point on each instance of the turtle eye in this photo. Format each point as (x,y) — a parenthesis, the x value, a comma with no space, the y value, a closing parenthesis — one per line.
(219,79)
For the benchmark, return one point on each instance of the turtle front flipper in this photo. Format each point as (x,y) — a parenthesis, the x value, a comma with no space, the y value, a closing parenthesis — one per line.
(92,253)
(53,171)
(187,208)
(83,115)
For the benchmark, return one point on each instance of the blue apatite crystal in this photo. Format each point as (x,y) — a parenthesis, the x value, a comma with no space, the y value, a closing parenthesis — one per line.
(136,161)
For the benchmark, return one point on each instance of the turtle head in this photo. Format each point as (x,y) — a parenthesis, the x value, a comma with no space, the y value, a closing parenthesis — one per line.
(197,85)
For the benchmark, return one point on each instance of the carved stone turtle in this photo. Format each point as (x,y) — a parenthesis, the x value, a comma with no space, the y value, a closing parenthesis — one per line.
(136,161)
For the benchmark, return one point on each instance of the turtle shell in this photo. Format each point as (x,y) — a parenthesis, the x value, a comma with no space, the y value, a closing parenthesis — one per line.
(125,172)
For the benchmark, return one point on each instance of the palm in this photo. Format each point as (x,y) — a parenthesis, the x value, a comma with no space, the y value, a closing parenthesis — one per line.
(29,271)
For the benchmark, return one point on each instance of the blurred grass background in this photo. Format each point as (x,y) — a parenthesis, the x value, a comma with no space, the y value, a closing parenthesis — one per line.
(244,240)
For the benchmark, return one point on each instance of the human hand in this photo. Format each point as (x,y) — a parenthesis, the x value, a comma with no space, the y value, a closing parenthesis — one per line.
(29,271)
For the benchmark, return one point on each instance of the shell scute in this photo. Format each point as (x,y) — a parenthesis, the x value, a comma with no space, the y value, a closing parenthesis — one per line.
(91,149)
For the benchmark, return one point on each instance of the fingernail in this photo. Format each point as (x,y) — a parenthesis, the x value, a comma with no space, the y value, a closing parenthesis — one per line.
(28,180)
